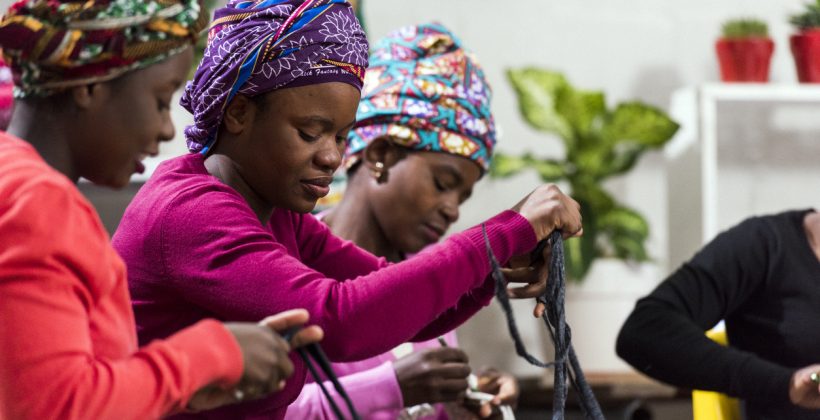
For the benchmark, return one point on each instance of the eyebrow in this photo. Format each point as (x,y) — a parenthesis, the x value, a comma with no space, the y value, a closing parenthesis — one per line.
(452,171)
(326,123)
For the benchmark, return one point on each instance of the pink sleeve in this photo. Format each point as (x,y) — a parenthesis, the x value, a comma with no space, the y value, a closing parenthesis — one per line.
(232,266)
(375,394)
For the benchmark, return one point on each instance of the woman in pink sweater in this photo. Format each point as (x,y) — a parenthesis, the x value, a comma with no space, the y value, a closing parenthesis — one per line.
(224,231)
(93,81)
(405,186)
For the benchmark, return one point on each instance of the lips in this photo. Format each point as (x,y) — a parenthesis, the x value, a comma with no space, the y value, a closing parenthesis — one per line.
(317,187)
(139,167)
(433,232)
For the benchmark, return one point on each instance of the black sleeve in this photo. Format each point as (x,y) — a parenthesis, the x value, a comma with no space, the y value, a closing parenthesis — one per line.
(664,336)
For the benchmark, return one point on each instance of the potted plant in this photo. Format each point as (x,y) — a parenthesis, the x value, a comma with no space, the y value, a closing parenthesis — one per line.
(744,51)
(600,143)
(805,44)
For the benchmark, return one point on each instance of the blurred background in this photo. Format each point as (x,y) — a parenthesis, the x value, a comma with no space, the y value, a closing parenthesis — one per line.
(741,149)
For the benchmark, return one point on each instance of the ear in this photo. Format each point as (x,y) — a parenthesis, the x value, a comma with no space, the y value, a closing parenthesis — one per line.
(88,96)
(381,155)
(238,114)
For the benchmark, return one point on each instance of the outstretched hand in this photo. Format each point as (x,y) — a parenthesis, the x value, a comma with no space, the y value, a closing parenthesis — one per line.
(803,391)
(266,364)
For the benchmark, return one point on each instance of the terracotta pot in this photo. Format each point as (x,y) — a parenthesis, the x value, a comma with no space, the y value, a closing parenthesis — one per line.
(805,48)
(744,59)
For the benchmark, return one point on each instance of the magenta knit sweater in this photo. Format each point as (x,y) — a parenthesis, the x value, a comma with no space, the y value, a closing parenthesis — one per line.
(195,249)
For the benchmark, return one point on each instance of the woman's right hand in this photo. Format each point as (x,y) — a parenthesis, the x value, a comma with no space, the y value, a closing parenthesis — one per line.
(266,364)
(548,209)
(803,391)
(437,374)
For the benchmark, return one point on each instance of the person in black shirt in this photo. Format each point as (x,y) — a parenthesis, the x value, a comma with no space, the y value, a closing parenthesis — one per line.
(763,278)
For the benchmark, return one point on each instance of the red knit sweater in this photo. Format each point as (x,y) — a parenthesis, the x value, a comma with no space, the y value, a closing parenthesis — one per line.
(68,345)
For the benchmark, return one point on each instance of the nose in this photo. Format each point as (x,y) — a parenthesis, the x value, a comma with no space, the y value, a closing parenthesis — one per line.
(329,156)
(167,130)
(449,207)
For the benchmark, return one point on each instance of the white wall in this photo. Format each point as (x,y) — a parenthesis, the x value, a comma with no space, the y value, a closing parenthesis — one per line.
(631,49)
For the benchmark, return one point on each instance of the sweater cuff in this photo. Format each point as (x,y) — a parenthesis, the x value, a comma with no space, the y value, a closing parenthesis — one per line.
(767,382)
(375,389)
(510,234)
(213,354)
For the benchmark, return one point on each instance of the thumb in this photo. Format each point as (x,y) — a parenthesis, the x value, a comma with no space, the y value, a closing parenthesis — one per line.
(286,320)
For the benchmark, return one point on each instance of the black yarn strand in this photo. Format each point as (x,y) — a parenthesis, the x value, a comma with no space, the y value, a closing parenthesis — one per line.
(318,378)
(566,366)
(315,351)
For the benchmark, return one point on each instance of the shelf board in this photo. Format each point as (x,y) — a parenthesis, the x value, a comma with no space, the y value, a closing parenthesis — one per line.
(761,92)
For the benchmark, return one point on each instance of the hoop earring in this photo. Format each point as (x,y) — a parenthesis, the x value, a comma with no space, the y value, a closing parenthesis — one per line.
(378,172)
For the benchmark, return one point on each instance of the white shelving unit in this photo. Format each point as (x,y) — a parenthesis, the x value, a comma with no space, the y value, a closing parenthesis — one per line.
(732,135)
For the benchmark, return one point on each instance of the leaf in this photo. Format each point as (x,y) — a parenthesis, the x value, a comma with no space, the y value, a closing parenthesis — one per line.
(629,248)
(581,252)
(576,265)
(549,170)
(594,200)
(504,166)
(580,109)
(625,232)
(624,157)
(537,91)
(638,123)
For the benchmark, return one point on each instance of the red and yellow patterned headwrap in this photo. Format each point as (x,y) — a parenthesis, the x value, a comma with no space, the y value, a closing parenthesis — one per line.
(52,45)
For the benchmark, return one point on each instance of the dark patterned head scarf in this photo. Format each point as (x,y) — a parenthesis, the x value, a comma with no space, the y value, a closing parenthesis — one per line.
(425,92)
(52,45)
(255,47)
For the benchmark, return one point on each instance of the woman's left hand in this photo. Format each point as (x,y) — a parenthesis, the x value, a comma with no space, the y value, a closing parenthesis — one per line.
(521,269)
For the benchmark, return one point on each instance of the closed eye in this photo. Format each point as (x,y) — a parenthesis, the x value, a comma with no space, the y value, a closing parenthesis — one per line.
(307,137)
(439,185)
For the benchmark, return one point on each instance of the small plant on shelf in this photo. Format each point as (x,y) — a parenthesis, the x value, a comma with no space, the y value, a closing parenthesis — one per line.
(745,28)
(744,50)
(805,44)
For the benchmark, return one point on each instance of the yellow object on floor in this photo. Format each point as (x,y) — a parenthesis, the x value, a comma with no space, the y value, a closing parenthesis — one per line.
(708,405)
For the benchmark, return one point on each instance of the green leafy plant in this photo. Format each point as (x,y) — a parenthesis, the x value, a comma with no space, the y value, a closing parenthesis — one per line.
(809,19)
(600,143)
(745,28)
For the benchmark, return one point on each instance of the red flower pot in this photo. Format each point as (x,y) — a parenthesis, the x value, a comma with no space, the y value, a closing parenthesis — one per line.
(744,59)
(806,51)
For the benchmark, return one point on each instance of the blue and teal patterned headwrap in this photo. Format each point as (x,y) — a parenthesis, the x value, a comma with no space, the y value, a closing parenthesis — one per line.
(426,92)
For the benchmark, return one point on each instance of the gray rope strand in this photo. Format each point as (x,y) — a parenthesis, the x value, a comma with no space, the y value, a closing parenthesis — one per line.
(555,319)
(566,364)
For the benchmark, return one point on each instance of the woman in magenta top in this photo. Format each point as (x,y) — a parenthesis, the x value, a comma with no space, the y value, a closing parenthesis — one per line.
(93,81)
(405,186)
(224,231)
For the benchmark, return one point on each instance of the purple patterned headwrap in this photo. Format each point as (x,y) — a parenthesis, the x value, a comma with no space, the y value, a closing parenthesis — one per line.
(255,47)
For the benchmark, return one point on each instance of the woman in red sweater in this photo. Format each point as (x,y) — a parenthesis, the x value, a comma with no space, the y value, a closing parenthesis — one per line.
(94,80)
